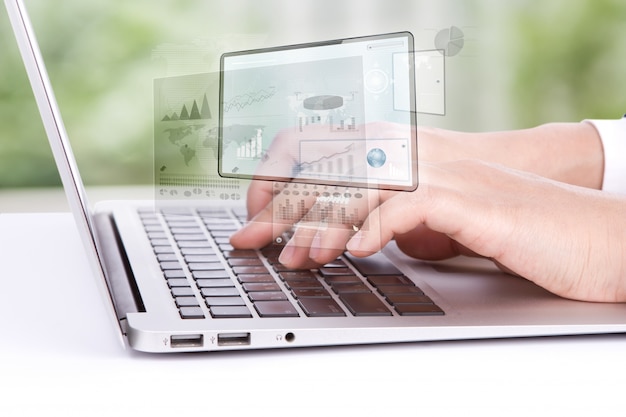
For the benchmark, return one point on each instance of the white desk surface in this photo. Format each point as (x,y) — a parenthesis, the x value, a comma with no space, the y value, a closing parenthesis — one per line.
(59,355)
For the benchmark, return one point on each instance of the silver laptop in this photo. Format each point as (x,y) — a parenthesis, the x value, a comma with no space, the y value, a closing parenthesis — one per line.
(173,283)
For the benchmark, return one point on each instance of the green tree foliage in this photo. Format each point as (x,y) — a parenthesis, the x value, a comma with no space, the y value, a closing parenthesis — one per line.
(570,60)
(565,60)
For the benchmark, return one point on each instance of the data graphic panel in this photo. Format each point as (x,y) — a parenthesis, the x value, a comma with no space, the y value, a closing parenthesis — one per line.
(321,113)
(186,140)
(356,160)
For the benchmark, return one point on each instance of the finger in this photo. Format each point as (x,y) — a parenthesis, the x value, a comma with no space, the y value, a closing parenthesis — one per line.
(404,212)
(456,199)
(397,215)
(329,244)
(257,233)
(265,226)
(259,195)
(274,208)
(424,243)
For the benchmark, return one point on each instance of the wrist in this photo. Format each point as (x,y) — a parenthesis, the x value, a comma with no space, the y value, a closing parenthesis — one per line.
(566,152)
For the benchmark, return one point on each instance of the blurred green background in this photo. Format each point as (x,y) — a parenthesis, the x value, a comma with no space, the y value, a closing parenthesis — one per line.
(525,62)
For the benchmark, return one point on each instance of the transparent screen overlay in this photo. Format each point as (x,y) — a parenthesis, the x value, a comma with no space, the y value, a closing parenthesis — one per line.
(309,113)
(325,128)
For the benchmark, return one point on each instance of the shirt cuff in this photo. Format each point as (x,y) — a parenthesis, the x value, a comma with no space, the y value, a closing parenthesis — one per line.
(613,136)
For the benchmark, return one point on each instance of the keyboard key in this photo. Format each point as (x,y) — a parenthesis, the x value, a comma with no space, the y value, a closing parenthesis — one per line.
(331,272)
(191,313)
(303,284)
(182,291)
(193,244)
(382,280)
(177,282)
(202,258)
(163,249)
(343,279)
(240,253)
(249,270)
(197,251)
(364,304)
(418,310)
(186,302)
(275,309)
(273,260)
(376,264)
(213,212)
(297,275)
(205,266)
(231,312)
(255,278)
(219,292)
(197,237)
(224,301)
(272,250)
(174,273)
(222,233)
(220,226)
(245,262)
(214,219)
(225,247)
(337,263)
(408,299)
(191,230)
(310,293)
(320,307)
(170,265)
(260,286)
(278,267)
(165,257)
(219,274)
(182,224)
(221,240)
(398,289)
(214,283)
(267,296)
(351,288)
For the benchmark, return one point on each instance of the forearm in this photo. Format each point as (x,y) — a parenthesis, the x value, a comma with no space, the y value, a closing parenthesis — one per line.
(566,152)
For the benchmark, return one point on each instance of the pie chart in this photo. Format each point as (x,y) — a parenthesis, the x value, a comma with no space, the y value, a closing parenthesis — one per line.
(450,41)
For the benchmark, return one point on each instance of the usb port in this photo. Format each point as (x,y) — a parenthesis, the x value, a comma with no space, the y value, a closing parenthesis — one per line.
(233,339)
(186,340)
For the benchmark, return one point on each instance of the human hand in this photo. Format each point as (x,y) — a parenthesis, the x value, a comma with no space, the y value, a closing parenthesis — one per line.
(566,239)
(473,185)
(331,212)
(325,219)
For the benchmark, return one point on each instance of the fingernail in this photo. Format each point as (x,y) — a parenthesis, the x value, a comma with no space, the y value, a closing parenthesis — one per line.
(286,254)
(354,243)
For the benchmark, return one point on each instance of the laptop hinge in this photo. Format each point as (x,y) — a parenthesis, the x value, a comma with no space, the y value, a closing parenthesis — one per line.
(119,276)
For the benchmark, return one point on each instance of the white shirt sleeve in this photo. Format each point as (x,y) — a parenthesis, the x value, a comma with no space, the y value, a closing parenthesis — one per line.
(613,135)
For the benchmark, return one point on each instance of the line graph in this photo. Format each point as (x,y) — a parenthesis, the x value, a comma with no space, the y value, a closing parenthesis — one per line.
(340,162)
(241,101)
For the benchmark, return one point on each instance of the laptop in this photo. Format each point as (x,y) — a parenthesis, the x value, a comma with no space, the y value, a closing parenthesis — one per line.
(172,282)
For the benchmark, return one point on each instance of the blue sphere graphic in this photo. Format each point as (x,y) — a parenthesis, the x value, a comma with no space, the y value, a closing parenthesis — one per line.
(376,158)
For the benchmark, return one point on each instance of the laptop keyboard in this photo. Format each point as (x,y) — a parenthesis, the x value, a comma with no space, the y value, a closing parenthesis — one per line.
(207,277)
